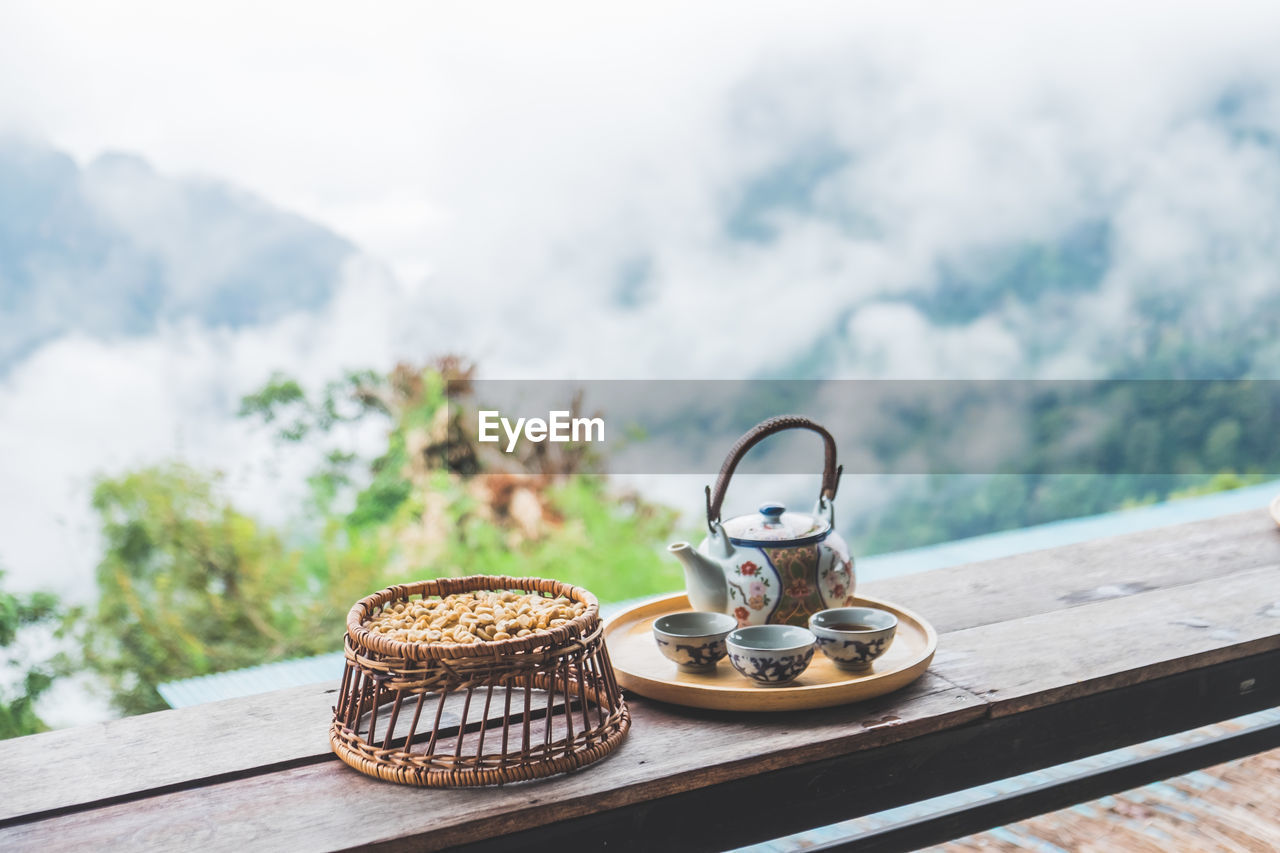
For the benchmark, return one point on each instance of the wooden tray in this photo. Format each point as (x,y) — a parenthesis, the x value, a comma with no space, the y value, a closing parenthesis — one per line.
(642,668)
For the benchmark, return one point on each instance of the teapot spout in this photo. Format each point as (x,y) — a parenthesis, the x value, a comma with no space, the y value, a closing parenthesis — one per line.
(704,579)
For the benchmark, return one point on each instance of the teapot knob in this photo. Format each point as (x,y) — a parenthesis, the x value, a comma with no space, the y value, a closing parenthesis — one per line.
(772,513)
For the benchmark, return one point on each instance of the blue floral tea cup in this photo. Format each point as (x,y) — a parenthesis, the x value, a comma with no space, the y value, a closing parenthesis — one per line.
(770,655)
(695,641)
(853,637)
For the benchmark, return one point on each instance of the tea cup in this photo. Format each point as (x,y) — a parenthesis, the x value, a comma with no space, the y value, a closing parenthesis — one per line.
(694,640)
(853,637)
(770,655)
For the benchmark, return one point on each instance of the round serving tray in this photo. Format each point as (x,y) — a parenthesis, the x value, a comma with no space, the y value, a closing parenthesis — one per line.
(642,668)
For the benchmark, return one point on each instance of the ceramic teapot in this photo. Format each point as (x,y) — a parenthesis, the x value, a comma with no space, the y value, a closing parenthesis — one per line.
(772,565)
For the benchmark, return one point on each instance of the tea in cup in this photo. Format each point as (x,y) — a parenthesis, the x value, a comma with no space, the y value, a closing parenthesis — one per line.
(853,637)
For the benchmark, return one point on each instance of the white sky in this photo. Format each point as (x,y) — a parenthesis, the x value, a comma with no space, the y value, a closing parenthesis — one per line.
(369,120)
(397,123)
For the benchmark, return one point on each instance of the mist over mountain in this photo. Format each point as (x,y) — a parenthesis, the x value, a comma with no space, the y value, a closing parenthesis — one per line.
(906,210)
(135,310)
(903,227)
(1155,258)
(828,195)
(113,250)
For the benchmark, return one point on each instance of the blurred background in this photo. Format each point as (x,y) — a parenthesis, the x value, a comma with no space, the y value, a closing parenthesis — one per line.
(243,245)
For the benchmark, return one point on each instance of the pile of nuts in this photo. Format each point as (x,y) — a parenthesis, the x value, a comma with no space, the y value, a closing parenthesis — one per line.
(473,617)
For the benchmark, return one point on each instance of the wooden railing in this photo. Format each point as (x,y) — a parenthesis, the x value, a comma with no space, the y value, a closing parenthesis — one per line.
(1043,658)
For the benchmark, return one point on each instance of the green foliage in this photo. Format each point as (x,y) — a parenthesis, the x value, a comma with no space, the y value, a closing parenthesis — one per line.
(280,399)
(946,508)
(188,585)
(25,677)
(607,544)
(1222,482)
(1143,429)
(389,488)
(283,402)
(430,477)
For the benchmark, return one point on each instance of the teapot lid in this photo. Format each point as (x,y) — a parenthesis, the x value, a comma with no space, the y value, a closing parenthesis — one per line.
(773,526)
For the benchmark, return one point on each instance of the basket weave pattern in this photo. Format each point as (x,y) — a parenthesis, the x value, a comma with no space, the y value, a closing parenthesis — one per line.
(443,715)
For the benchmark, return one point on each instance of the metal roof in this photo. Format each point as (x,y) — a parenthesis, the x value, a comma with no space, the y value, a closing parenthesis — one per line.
(253,680)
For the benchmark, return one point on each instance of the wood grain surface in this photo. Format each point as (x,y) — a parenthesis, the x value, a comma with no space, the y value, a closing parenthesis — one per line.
(1017,633)
(1051,657)
(196,745)
(1076,575)
(329,806)
(167,748)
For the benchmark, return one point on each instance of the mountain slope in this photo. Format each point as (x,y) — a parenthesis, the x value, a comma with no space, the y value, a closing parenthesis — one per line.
(114,249)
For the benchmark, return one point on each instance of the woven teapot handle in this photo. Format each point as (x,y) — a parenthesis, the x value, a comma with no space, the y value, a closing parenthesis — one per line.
(759,432)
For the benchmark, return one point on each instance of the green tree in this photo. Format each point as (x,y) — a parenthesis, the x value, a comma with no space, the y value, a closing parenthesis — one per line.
(438,502)
(24,678)
(188,585)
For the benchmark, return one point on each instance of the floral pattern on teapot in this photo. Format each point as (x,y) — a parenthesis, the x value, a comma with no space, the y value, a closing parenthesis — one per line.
(783,585)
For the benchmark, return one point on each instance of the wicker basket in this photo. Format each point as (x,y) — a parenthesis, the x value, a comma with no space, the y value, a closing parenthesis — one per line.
(479,714)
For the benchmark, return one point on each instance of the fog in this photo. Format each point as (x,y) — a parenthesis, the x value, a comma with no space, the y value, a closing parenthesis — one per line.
(724,191)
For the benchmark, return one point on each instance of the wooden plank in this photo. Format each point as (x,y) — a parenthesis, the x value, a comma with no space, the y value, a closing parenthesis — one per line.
(110,760)
(1051,657)
(752,810)
(329,806)
(1180,592)
(190,746)
(1076,575)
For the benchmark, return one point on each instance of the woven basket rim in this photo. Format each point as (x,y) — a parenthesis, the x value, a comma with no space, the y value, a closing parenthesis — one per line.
(575,628)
